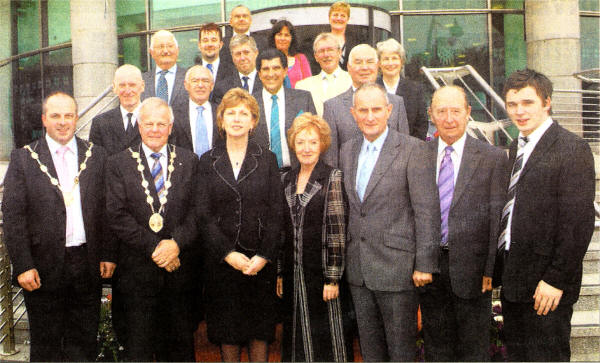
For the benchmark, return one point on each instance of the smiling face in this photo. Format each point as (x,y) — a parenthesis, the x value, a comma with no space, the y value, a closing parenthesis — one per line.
(338,20)
(199,84)
(283,39)
(60,118)
(327,54)
(362,66)
(240,19)
(272,74)
(308,146)
(244,58)
(128,85)
(371,112)
(237,121)
(449,112)
(210,45)
(526,109)
(164,50)
(155,125)
(390,64)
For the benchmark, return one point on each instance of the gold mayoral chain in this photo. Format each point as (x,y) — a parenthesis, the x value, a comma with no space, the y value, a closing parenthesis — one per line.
(68,196)
(156,220)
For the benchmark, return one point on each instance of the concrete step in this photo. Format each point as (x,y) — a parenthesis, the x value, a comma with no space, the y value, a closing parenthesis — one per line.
(585,343)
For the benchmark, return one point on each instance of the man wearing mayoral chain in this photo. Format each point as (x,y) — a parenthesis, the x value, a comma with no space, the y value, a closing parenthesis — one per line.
(54,231)
(150,207)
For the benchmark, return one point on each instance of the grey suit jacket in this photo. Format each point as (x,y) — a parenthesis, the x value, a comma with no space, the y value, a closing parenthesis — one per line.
(178,98)
(396,229)
(336,112)
(296,101)
(474,217)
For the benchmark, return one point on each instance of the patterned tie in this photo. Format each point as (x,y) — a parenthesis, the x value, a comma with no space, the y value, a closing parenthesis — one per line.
(201,133)
(503,242)
(275,138)
(66,182)
(245,83)
(162,89)
(446,191)
(365,172)
(157,174)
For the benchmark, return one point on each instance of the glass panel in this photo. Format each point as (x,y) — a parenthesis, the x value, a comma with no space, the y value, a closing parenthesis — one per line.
(188,47)
(59,22)
(58,72)
(590,40)
(166,14)
(260,4)
(443,4)
(384,4)
(507,4)
(589,5)
(28,25)
(27,91)
(131,16)
(133,51)
(509,47)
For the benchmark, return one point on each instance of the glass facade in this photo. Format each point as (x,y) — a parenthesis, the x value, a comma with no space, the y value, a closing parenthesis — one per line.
(434,32)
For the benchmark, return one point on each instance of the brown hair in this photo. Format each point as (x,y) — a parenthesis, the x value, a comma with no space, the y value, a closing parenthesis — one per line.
(528,77)
(309,121)
(233,98)
(340,6)
(210,27)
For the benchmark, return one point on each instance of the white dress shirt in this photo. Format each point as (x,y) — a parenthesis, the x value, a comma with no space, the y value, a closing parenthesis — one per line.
(170,77)
(74,211)
(391,88)
(455,155)
(215,67)
(334,76)
(208,120)
(163,160)
(134,117)
(268,104)
(377,144)
(251,78)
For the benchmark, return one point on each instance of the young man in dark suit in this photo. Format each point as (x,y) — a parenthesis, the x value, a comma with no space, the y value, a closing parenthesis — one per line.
(116,129)
(209,45)
(54,230)
(456,306)
(547,223)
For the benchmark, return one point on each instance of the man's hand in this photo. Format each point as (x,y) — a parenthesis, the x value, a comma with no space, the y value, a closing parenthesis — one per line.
(422,278)
(173,265)
(330,291)
(486,284)
(255,264)
(107,269)
(279,287)
(165,253)
(30,280)
(237,260)
(547,297)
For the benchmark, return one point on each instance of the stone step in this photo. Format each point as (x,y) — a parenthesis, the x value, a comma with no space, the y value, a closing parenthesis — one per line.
(587,301)
(585,343)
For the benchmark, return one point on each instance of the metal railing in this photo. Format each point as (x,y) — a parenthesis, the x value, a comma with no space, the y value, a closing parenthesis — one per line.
(578,111)
(8,304)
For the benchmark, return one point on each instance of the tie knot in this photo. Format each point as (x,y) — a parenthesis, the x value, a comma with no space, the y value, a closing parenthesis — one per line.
(129,115)
(200,109)
(523,140)
(62,150)
(274,98)
(163,72)
(245,78)
(448,149)
(156,156)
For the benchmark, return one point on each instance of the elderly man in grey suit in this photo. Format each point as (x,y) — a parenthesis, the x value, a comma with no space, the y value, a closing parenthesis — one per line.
(362,67)
(393,228)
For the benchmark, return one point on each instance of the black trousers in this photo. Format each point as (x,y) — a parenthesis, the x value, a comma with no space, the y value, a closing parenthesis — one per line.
(454,329)
(532,338)
(63,323)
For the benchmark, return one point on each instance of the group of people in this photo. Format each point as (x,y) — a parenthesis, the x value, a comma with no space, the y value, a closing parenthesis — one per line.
(220,193)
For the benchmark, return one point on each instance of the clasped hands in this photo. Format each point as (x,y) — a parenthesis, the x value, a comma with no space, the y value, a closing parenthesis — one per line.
(166,255)
(248,266)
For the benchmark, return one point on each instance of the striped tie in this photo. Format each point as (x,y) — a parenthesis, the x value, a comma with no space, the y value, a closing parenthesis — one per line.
(503,242)
(157,174)
(446,191)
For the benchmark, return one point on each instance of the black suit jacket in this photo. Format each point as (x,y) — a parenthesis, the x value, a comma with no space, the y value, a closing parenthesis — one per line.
(179,96)
(107,131)
(181,135)
(128,214)
(296,101)
(35,215)
(414,102)
(552,218)
(225,53)
(224,74)
(232,81)
(474,217)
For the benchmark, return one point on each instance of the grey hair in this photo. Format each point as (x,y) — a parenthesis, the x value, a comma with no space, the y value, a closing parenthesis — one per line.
(163,32)
(241,39)
(154,103)
(369,86)
(393,46)
(326,36)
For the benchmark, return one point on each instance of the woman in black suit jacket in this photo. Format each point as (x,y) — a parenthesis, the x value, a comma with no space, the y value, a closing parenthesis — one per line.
(392,57)
(242,190)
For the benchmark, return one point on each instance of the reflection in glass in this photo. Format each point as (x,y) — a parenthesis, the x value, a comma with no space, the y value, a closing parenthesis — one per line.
(27,15)
(443,4)
(167,14)
(59,22)
(27,98)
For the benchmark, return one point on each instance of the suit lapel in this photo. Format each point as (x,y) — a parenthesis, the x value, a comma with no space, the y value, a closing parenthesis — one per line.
(215,136)
(356,145)
(386,157)
(262,129)
(46,159)
(290,109)
(539,151)
(84,179)
(185,124)
(178,86)
(468,164)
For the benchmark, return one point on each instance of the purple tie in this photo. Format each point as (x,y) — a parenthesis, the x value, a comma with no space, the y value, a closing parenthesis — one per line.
(446,190)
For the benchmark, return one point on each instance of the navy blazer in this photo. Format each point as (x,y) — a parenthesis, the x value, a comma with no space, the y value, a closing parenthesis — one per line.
(108,131)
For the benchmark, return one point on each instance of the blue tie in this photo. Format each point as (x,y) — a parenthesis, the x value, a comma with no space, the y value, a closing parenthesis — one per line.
(162,89)
(365,172)
(202,145)
(275,132)
(446,191)
(245,84)
(210,68)
(157,175)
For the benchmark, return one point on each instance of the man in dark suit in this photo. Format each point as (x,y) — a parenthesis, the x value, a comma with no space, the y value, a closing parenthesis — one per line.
(240,20)
(244,52)
(209,45)
(195,127)
(393,228)
(456,306)
(547,223)
(149,198)
(54,231)
(116,129)
(281,104)
(166,79)
(362,68)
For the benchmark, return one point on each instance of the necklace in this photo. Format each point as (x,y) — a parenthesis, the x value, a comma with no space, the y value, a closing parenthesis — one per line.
(68,196)
(156,221)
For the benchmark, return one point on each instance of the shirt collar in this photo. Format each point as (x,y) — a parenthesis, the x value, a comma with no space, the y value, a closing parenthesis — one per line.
(335,73)
(53,145)
(148,151)
(537,134)
(194,105)
(215,64)
(378,142)
(458,145)
(135,112)
(170,70)
(250,75)
(267,95)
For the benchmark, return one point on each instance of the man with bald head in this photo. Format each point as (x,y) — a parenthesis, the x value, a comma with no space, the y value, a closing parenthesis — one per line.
(150,192)
(456,306)
(195,126)
(362,67)
(116,129)
(165,80)
(393,227)
(240,20)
